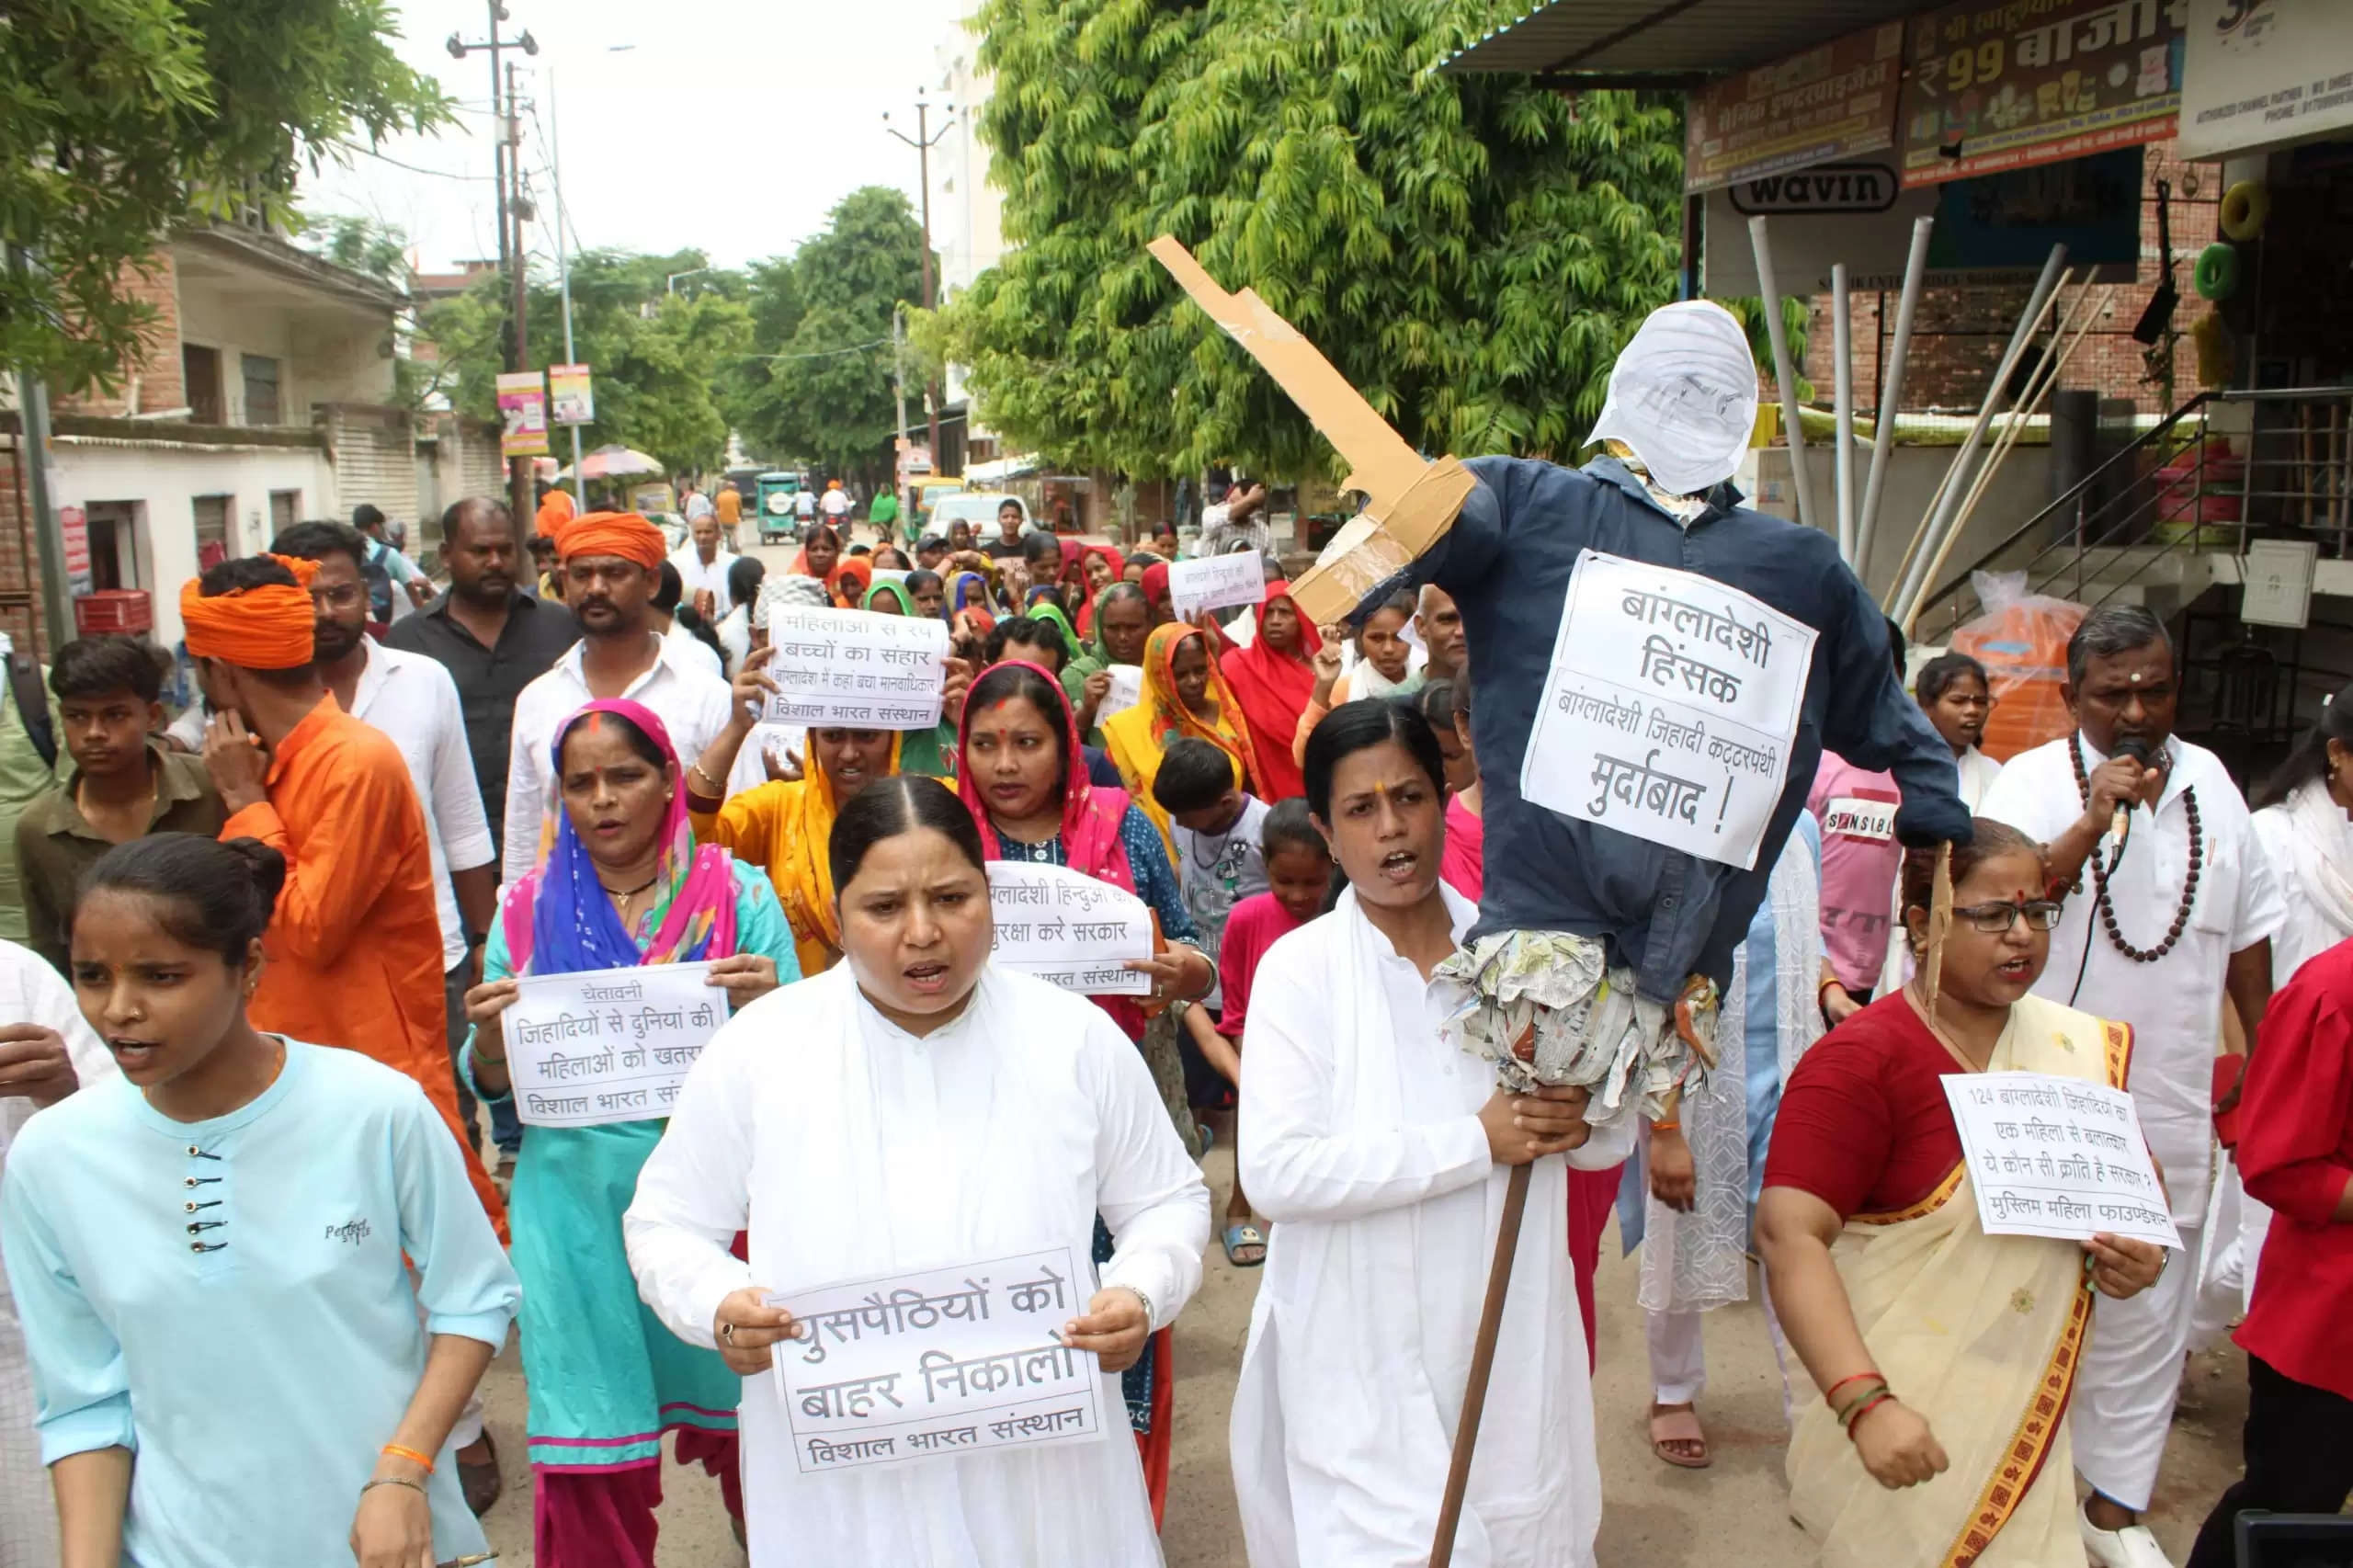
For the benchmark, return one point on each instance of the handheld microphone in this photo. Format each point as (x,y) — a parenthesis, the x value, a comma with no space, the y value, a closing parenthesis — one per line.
(2137,749)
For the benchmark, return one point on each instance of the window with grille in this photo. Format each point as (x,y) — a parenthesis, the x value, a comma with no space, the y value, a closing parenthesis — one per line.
(261,390)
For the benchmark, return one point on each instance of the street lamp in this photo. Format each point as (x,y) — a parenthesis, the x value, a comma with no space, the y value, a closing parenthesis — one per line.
(506,155)
(670,283)
(923,141)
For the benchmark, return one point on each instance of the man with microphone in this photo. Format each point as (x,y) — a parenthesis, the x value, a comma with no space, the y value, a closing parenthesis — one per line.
(2170,911)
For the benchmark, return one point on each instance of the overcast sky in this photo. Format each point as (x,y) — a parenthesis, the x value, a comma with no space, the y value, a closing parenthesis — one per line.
(732,125)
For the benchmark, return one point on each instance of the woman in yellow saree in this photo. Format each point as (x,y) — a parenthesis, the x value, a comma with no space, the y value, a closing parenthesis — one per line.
(783,826)
(1945,1356)
(1183,694)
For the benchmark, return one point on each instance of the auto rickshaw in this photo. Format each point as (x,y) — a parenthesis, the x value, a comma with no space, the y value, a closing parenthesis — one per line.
(776,491)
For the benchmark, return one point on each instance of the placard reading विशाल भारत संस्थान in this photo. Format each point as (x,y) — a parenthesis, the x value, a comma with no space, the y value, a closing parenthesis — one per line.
(2054,1156)
(902,1368)
(855,669)
(1670,709)
(1065,926)
(608,1044)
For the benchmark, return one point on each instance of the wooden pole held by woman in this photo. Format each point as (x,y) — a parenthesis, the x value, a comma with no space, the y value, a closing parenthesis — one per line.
(1482,1362)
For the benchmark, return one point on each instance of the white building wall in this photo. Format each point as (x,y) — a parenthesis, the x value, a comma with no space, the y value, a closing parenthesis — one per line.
(324,355)
(162,480)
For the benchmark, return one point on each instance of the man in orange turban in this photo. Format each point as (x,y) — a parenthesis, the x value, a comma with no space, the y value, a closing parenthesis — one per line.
(354,947)
(555,510)
(610,563)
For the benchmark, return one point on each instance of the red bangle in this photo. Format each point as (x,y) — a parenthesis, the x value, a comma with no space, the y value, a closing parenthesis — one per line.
(1865,1408)
(1831,1392)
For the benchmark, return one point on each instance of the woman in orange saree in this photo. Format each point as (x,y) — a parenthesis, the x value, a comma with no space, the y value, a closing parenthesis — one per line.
(1945,1356)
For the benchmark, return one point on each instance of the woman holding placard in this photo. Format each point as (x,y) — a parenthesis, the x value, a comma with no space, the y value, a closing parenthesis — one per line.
(1023,775)
(624,883)
(1945,1356)
(931,1111)
(1183,694)
(1121,624)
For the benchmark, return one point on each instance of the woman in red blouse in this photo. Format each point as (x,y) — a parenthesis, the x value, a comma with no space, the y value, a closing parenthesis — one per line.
(2295,1153)
(1945,1356)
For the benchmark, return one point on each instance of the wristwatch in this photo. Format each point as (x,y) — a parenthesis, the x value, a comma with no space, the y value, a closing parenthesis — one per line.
(1147,1304)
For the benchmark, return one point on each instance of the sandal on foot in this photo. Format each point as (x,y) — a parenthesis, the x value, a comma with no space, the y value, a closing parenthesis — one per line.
(1679,1425)
(1245,1235)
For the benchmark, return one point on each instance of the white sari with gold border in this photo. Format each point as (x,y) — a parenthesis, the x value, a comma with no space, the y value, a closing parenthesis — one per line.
(1980,1335)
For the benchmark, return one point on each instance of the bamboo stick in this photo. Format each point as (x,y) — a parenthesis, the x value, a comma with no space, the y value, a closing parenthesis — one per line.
(1483,1364)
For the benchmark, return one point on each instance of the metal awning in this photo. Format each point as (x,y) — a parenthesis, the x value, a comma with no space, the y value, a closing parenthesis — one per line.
(1664,43)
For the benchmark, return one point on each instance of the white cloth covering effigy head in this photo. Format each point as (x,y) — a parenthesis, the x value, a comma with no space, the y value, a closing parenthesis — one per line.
(1683,396)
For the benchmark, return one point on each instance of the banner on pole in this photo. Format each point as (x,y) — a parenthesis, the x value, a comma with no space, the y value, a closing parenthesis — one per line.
(523,405)
(573,397)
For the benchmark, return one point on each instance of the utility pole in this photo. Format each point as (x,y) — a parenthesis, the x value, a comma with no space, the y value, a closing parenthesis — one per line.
(563,273)
(506,157)
(923,141)
(899,396)
(32,462)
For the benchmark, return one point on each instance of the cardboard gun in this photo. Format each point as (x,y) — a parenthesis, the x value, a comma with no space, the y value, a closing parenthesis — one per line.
(1411,500)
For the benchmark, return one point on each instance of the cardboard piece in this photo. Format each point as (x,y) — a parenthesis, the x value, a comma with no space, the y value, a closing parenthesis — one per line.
(1411,502)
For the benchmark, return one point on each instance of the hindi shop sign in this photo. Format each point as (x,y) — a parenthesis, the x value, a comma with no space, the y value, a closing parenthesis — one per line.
(1065,926)
(940,1364)
(609,1044)
(856,668)
(1832,101)
(2265,74)
(2009,84)
(1670,709)
(1216,582)
(2054,1156)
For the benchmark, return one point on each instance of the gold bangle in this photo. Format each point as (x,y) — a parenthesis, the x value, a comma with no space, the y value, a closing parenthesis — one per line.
(416,1487)
(697,768)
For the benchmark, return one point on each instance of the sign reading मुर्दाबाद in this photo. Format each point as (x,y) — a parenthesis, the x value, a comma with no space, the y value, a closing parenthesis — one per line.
(939,1363)
(1670,709)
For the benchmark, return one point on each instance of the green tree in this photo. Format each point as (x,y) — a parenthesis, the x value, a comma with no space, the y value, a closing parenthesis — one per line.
(121,117)
(1470,252)
(824,318)
(657,357)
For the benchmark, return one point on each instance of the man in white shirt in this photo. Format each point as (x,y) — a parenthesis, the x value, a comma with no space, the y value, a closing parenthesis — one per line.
(702,566)
(804,507)
(835,503)
(2161,931)
(612,562)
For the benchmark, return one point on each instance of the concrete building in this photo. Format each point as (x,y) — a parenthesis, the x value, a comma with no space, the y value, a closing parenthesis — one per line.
(265,395)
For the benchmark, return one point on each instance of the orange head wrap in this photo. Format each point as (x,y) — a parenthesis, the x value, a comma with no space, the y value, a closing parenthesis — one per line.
(556,511)
(624,534)
(266,628)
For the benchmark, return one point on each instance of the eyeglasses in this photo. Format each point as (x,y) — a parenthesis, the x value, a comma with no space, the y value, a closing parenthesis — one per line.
(2039,915)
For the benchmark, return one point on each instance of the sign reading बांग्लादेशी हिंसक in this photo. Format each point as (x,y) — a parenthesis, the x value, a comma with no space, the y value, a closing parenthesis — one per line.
(2054,1156)
(608,1044)
(1670,709)
(856,669)
(906,1368)
(1065,926)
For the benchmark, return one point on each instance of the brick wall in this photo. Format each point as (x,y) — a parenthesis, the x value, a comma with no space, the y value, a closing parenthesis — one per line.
(19,613)
(1957,335)
(159,382)
(374,453)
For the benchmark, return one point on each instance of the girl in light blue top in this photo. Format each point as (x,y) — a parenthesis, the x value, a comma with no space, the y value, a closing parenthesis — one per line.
(212,1258)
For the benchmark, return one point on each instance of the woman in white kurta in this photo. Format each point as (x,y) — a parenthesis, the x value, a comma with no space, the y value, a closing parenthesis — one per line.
(1382,1151)
(912,1108)
(46,1051)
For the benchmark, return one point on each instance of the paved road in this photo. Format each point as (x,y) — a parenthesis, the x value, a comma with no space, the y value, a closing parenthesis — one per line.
(1654,1517)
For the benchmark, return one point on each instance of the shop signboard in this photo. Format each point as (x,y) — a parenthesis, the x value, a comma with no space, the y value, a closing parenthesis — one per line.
(1997,85)
(2261,74)
(1831,102)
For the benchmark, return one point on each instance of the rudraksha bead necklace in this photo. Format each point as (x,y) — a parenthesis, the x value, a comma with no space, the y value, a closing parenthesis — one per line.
(2101,873)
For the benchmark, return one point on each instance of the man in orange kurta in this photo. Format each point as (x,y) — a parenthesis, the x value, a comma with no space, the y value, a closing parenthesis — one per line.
(353,949)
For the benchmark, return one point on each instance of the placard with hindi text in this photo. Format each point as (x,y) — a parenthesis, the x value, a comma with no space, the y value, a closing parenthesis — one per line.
(607,1045)
(2056,1156)
(855,668)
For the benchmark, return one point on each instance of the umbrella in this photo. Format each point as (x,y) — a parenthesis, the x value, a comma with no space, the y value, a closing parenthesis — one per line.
(613,462)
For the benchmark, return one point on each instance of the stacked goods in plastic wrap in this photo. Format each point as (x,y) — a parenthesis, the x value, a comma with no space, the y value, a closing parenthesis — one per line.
(2022,641)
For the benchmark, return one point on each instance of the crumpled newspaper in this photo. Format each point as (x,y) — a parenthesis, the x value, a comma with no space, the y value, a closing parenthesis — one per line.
(1590,1028)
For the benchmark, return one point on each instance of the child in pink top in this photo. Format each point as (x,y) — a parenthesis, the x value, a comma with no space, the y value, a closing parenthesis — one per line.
(1860,859)
(1299,872)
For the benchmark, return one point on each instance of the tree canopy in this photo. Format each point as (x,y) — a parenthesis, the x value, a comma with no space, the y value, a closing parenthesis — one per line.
(657,358)
(1470,252)
(121,117)
(823,317)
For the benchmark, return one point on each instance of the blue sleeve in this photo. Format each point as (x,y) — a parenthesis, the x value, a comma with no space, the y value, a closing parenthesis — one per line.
(1156,882)
(463,1279)
(497,964)
(1102,771)
(760,924)
(79,1375)
(1874,723)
